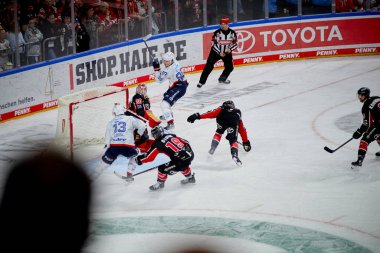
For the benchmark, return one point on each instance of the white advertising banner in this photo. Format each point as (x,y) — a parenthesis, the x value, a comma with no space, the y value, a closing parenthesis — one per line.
(37,88)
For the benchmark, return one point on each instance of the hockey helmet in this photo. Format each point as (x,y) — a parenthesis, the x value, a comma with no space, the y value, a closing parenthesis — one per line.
(118,109)
(157,132)
(168,56)
(224,21)
(364,91)
(141,89)
(228,105)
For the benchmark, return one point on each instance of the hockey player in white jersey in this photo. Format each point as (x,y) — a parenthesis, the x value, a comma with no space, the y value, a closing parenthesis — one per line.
(177,85)
(119,138)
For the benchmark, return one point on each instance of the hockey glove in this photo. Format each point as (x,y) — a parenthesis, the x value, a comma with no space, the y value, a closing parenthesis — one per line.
(247,146)
(193,117)
(156,65)
(357,134)
(139,158)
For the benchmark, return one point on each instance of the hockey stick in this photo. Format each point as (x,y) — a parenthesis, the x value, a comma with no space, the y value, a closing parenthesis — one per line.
(333,150)
(145,39)
(136,115)
(141,172)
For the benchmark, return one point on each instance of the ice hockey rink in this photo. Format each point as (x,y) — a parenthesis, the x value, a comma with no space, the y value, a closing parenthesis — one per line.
(288,196)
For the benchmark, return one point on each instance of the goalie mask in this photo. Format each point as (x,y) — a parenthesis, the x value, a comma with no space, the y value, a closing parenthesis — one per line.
(228,105)
(118,109)
(141,89)
(157,132)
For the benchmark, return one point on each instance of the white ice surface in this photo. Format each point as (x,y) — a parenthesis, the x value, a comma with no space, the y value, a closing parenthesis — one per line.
(291,111)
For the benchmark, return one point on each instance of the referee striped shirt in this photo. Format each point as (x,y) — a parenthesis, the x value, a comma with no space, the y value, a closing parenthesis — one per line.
(222,40)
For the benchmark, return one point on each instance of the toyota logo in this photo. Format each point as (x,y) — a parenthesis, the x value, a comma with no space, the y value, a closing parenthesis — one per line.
(246,41)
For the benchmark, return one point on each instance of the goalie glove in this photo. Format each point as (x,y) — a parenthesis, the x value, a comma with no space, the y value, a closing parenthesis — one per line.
(156,65)
(193,117)
(357,134)
(247,146)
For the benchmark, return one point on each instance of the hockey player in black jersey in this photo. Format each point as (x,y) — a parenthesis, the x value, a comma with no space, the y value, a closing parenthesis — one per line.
(370,128)
(228,118)
(140,101)
(177,149)
(140,105)
(224,41)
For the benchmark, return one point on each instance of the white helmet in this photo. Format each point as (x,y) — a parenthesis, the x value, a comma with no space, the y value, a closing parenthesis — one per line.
(168,56)
(118,109)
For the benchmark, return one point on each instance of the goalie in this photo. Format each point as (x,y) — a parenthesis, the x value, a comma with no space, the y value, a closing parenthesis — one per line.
(140,105)
(228,118)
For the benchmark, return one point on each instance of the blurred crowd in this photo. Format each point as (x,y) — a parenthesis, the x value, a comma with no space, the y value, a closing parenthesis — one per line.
(47,29)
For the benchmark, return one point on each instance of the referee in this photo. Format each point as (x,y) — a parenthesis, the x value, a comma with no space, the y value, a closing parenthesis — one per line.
(224,41)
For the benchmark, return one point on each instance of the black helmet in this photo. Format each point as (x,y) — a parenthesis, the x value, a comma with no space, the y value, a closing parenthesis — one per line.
(228,105)
(364,91)
(157,132)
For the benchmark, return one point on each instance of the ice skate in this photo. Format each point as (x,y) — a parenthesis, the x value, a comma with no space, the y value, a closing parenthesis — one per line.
(212,150)
(129,177)
(214,145)
(157,186)
(237,160)
(357,164)
(190,179)
(162,117)
(224,81)
(199,85)
(377,154)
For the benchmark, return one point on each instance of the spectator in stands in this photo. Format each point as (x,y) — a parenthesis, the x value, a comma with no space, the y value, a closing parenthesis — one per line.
(118,9)
(47,9)
(66,34)
(27,13)
(230,8)
(106,15)
(51,33)
(375,5)
(46,200)
(107,20)
(344,5)
(79,8)
(142,6)
(13,37)
(63,6)
(135,19)
(33,37)
(92,24)
(192,13)
(83,39)
(155,29)
(5,64)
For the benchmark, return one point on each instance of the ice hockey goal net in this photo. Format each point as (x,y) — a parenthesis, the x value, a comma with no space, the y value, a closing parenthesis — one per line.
(83,116)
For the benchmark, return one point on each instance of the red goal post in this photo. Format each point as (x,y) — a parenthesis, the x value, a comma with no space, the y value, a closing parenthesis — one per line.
(83,116)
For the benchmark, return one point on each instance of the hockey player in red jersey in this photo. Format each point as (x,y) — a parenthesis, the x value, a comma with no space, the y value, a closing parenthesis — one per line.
(228,118)
(370,127)
(177,149)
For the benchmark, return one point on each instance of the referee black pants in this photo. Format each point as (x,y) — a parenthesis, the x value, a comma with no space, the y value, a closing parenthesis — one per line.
(213,57)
